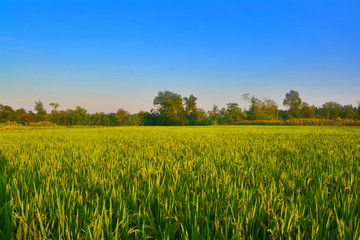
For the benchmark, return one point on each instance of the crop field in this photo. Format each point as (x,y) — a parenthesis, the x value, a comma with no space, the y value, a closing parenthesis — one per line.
(215,182)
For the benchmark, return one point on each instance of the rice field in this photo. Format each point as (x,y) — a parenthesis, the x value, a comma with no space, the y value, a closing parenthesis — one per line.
(216,182)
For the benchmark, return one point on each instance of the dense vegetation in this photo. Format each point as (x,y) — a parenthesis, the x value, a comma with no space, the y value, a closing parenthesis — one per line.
(172,109)
(249,182)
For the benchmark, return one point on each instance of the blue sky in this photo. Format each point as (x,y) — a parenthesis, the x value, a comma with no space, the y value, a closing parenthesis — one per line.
(105,55)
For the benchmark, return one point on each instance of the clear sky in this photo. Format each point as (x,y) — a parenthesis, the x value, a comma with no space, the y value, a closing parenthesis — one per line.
(105,55)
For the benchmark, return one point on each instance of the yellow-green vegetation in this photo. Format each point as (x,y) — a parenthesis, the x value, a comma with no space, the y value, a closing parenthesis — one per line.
(221,182)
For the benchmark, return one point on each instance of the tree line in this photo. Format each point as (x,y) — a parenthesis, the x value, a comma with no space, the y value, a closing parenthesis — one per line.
(171,109)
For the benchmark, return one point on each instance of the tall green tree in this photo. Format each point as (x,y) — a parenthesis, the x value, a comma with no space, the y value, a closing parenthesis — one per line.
(255,112)
(7,113)
(170,107)
(201,117)
(261,110)
(40,111)
(270,109)
(216,116)
(214,112)
(54,115)
(349,112)
(193,115)
(293,101)
(80,116)
(332,110)
(190,104)
(234,114)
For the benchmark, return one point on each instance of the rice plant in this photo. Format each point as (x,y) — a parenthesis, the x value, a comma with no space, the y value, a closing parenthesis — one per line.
(219,182)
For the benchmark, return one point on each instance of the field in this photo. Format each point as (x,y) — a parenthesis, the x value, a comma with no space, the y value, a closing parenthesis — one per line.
(221,182)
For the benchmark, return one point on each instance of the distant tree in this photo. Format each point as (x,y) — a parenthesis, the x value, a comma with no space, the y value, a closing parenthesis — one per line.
(201,115)
(190,104)
(193,114)
(282,114)
(293,101)
(261,110)
(234,114)
(32,114)
(307,111)
(349,112)
(80,116)
(120,116)
(215,112)
(55,106)
(134,120)
(255,111)
(96,119)
(270,109)
(223,111)
(332,110)
(54,115)
(62,118)
(19,112)
(39,108)
(151,118)
(170,107)
(216,116)
(112,119)
(26,118)
(105,120)
(7,113)
(246,97)
(40,111)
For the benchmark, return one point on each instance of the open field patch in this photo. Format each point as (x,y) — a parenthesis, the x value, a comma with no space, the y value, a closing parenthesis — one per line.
(215,182)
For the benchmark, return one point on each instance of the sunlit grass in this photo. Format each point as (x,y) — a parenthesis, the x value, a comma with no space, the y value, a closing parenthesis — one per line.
(247,182)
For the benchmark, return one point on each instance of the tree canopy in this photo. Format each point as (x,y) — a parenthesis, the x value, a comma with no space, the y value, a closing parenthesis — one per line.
(293,101)
(172,109)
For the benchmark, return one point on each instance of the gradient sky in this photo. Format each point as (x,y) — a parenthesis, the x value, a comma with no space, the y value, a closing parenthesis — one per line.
(105,55)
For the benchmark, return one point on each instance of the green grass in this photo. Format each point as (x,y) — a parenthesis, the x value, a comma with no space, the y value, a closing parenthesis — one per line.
(222,182)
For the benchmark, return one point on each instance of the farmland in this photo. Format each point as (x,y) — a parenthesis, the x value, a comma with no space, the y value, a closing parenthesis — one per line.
(214,182)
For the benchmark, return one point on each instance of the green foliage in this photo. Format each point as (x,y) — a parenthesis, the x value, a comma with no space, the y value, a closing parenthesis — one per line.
(54,106)
(134,120)
(293,101)
(221,182)
(7,113)
(171,108)
(307,111)
(234,114)
(41,114)
(348,112)
(262,110)
(332,110)
(190,104)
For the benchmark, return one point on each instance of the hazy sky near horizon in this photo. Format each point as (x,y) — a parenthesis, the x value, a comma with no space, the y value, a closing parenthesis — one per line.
(105,55)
